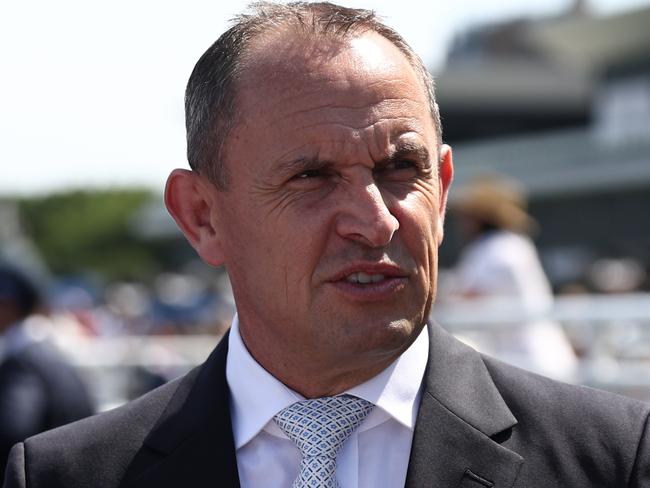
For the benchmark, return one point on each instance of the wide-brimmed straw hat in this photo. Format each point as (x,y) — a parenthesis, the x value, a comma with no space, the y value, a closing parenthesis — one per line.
(495,200)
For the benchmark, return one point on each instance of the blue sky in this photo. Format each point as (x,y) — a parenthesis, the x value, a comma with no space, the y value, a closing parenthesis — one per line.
(92,92)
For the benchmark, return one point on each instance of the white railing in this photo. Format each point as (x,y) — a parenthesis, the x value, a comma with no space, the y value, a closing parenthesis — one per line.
(612,334)
(596,309)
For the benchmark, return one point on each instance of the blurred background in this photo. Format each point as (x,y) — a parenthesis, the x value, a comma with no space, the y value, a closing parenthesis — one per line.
(551,95)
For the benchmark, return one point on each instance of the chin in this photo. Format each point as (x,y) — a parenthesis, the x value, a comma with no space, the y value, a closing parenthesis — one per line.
(390,338)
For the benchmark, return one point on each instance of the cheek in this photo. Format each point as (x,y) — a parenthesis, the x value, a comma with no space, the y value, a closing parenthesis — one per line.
(419,225)
(419,213)
(294,244)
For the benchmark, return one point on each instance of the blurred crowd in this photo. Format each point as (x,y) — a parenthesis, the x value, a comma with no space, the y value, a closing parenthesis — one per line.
(48,330)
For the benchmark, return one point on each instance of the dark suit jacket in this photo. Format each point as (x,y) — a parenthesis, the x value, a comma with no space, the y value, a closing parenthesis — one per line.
(38,391)
(481,423)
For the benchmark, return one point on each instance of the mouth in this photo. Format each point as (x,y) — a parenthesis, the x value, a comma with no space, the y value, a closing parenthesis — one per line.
(365,278)
(370,282)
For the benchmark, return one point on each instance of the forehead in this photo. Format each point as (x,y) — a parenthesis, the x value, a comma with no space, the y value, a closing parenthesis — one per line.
(283,63)
(298,91)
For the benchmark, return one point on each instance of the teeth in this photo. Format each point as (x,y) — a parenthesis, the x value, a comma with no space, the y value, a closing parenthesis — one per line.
(365,278)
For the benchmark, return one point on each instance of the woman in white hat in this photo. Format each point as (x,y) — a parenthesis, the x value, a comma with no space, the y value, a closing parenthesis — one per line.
(500,272)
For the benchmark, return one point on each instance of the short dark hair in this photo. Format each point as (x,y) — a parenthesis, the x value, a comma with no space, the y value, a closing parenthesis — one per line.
(16,287)
(210,96)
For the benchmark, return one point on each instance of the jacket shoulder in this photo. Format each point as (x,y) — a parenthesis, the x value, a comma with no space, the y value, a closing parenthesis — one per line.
(96,451)
(574,431)
(533,394)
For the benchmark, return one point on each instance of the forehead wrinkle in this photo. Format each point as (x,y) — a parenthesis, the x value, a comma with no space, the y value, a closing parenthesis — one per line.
(283,158)
(363,106)
(357,128)
(386,85)
(368,116)
(365,94)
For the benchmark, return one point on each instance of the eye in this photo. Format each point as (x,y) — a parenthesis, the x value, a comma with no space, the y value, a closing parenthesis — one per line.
(310,179)
(310,173)
(401,164)
(399,168)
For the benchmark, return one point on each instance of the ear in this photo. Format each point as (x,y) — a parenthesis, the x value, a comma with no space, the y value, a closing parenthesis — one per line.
(445,177)
(190,200)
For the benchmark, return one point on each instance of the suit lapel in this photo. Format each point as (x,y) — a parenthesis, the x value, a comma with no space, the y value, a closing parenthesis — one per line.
(462,418)
(192,443)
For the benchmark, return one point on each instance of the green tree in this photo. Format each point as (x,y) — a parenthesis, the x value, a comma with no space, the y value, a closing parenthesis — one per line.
(89,231)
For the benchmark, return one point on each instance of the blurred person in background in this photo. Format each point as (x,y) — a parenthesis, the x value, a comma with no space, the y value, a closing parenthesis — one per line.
(499,271)
(319,180)
(38,389)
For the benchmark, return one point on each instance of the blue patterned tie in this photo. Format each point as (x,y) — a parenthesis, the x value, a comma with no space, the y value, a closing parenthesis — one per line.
(319,427)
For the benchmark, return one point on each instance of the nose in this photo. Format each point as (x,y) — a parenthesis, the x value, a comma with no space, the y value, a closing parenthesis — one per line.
(364,217)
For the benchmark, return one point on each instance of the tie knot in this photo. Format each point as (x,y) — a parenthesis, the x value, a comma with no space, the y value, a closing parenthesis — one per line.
(319,427)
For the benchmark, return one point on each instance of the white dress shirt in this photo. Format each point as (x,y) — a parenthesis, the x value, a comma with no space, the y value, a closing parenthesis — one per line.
(376,454)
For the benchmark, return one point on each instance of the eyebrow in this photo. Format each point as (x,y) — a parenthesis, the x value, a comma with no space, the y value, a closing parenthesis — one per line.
(302,164)
(407,149)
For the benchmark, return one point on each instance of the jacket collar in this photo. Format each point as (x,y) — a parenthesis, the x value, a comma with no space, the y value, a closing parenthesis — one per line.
(462,417)
(192,443)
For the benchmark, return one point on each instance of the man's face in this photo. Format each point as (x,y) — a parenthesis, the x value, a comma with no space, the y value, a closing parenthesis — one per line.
(332,219)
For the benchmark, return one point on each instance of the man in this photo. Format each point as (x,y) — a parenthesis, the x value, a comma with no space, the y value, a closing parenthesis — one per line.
(38,388)
(319,181)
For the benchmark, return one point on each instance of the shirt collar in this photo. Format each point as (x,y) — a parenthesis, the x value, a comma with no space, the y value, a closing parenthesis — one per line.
(396,390)
(256,395)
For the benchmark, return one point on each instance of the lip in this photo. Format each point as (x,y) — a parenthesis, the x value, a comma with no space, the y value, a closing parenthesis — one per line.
(387,269)
(395,280)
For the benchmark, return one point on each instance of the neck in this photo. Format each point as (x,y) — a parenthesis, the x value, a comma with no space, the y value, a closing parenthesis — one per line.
(316,386)
(314,376)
